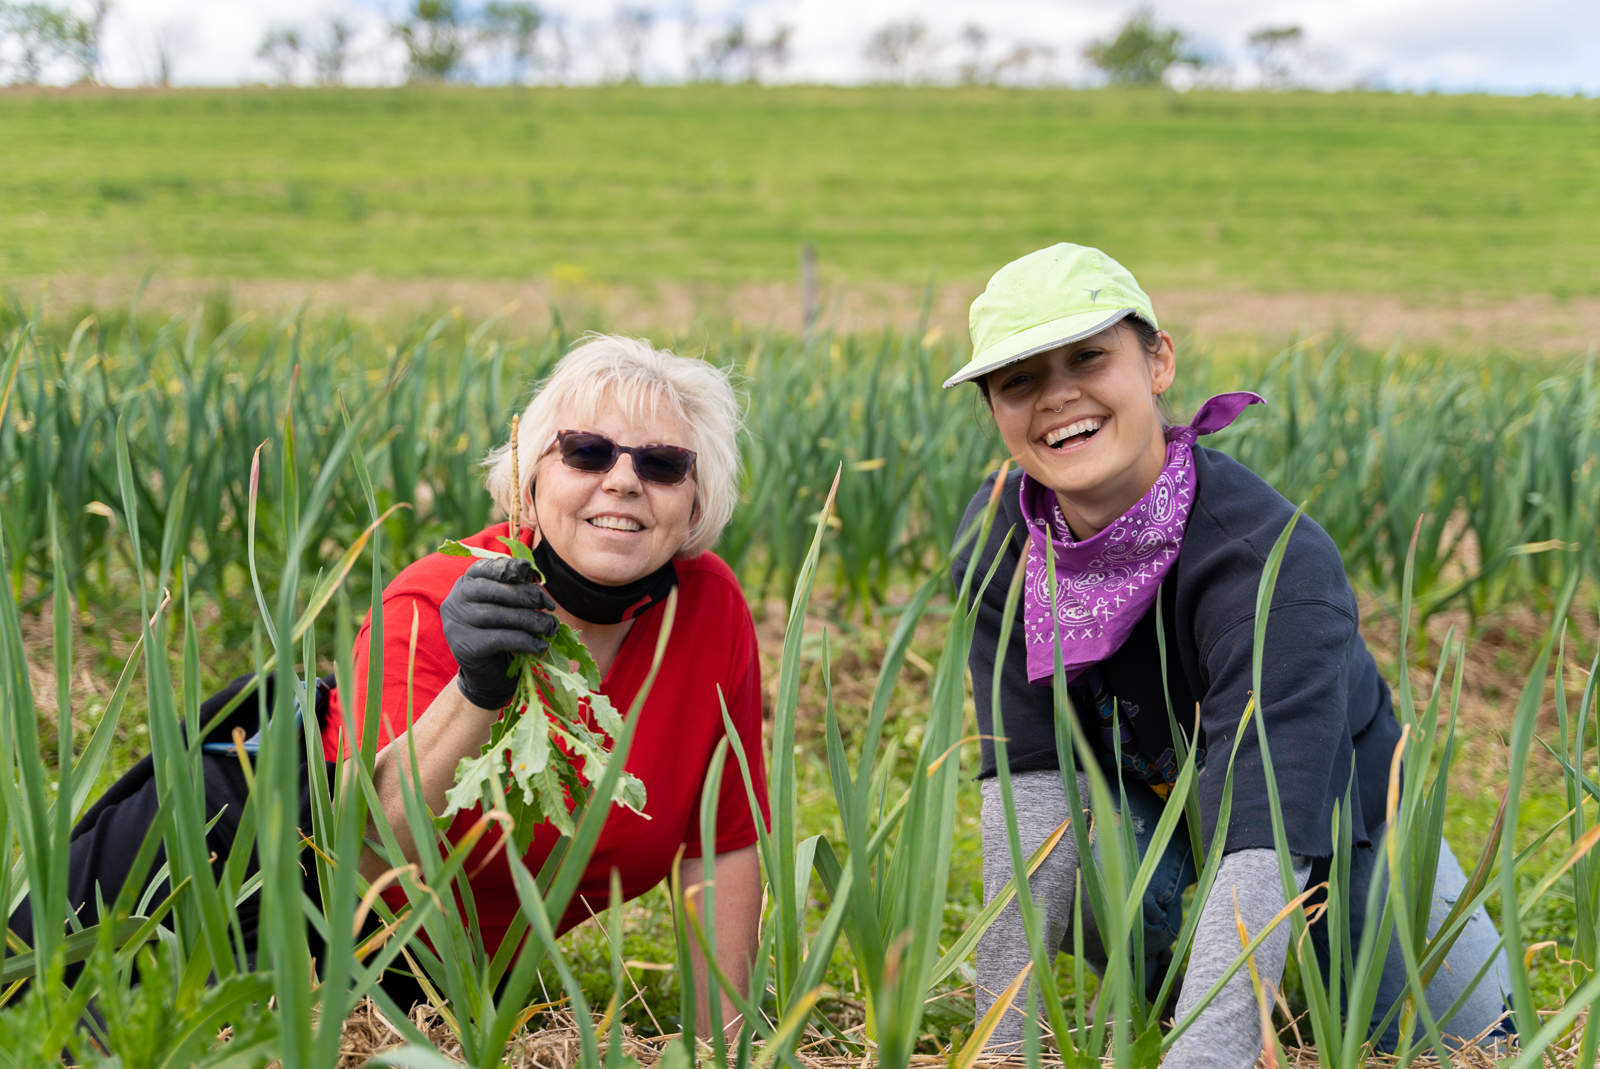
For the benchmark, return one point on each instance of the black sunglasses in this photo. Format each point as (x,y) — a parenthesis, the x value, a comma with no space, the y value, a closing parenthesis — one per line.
(667,465)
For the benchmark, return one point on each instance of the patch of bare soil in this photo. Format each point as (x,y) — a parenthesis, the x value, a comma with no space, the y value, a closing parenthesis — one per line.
(1525,323)
(674,311)
(86,689)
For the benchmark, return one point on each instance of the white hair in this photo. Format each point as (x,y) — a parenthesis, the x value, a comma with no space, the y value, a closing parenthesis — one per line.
(642,381)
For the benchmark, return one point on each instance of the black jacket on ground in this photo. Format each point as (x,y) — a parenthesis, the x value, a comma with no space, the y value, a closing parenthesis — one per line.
(1327,711)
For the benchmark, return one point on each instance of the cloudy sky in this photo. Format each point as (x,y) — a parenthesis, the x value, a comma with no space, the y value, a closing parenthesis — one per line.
(1449,45)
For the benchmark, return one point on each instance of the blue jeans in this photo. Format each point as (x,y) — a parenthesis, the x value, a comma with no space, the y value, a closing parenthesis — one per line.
(1162,904)
(1486,1005)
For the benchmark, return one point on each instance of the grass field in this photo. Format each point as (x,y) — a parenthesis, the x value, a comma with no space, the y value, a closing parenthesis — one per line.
(1423,196)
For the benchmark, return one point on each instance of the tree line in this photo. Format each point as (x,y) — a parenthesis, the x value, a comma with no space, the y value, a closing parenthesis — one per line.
(1143,51)
(441,37)
(517,42)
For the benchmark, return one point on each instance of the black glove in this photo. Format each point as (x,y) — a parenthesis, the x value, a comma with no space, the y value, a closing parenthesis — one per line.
(494,611)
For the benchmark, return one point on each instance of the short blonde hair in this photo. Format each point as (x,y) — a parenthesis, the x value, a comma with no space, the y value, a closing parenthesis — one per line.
(642,381)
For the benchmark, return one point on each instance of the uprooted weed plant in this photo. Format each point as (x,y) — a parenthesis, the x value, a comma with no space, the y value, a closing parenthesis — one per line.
(132,460)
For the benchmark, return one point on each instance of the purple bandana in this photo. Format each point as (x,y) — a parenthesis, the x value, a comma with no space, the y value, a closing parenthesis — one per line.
(1105,584)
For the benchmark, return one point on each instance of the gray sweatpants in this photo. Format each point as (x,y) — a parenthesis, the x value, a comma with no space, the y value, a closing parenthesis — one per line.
(1228,1034)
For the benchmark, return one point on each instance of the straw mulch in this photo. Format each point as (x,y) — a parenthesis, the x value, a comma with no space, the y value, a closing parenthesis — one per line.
(555,1046)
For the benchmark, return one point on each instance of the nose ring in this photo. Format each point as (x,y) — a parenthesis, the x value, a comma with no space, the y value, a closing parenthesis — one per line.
(1059,407)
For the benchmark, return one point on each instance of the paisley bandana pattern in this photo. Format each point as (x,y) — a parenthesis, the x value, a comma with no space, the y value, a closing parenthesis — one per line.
(1105,584)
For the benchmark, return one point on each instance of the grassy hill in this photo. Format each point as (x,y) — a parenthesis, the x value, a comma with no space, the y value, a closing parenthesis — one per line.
(1418,196)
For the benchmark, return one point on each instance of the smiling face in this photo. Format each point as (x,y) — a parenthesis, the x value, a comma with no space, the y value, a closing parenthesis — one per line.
(613,526)
(1083,420)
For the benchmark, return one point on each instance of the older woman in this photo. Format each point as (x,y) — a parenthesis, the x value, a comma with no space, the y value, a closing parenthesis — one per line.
(629,475)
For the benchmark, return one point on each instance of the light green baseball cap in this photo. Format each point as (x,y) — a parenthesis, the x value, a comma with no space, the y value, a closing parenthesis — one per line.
(1047,299)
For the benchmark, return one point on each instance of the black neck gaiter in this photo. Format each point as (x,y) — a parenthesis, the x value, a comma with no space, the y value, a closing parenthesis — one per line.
(595,602)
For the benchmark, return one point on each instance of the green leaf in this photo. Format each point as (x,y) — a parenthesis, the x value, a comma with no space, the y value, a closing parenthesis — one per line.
(1145,1052)
(529,752)
(569,644)
(578,688)
(472,776)
(552,794)
(515,545)
(451,548)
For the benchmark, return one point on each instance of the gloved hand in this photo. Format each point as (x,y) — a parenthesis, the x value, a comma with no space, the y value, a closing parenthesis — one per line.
(494,611)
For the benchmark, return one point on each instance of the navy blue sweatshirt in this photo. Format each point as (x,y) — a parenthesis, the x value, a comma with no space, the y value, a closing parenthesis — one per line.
(1327,711)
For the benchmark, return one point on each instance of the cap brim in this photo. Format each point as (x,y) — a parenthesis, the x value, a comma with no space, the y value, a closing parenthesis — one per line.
(1039,339)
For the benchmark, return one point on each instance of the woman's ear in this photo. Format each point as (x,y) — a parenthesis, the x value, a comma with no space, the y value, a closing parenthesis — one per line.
(1163,365)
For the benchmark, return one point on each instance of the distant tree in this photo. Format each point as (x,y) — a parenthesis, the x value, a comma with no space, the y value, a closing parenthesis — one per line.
(83,43)
(689,26)
(972,69)
(1141,52)
(900,51)
(1276,51)
(632,26)
(42,34)
(1029,63)
(560,52)
(432,34)
(331,53)
(514,27)
(170,39)
(735,54)
(286,49)
(774,51)
(282,49)
(724,52)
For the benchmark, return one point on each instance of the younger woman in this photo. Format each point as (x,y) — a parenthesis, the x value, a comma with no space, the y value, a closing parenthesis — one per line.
(1068,357)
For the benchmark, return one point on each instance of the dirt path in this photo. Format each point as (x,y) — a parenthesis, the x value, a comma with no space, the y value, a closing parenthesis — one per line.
(679,310)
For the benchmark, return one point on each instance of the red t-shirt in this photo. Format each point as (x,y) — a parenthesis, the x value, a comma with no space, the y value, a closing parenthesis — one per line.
(713,644)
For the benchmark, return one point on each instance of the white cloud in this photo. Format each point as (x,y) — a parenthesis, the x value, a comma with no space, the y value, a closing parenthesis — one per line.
(1537,45)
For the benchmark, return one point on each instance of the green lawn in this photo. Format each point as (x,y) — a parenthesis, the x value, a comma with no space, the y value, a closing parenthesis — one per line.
(1423,196)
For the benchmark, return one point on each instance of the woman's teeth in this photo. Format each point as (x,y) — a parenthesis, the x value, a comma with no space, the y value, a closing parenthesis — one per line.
(1084,427)
(616,523)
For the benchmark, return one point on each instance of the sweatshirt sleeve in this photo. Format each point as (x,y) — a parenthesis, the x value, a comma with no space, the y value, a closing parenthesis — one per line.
(1248,891)
(1311,636)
